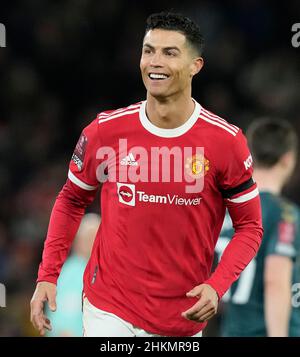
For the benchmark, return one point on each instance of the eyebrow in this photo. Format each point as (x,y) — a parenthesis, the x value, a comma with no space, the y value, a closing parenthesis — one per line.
(165,48)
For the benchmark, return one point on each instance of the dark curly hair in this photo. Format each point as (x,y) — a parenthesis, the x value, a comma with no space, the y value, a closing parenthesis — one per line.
(177,22)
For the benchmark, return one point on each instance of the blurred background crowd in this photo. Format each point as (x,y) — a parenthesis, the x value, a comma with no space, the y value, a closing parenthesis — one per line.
(65,61)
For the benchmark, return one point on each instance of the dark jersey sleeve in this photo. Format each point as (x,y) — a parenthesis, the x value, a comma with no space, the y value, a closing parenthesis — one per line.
(283,236)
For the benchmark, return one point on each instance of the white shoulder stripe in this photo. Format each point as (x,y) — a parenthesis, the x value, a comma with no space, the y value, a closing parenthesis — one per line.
(222,121)
(104,119)
(213,116)
(244,198)
(79,183)
(133,106)
(218,124)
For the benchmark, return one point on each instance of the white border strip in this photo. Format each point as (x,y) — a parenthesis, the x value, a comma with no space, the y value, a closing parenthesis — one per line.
(79,183)
(248,196)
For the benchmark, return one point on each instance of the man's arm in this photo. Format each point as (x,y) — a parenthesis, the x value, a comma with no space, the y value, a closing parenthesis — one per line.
(247,223)
(242,200)
(78,192)
(277,294)
(243,203)
(246,218)
(281,251)
(64,222)
(65,219)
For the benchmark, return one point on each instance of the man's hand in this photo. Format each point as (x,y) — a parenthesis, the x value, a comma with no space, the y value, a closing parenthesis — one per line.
(207,305)
(44,292)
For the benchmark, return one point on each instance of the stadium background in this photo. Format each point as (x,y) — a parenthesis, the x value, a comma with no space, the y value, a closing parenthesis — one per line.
(65,61)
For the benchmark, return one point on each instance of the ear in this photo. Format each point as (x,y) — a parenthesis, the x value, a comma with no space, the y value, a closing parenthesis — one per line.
(196,66)
(288,160)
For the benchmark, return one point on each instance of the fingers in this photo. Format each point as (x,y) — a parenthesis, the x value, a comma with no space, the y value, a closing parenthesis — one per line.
(195,308)
(202,315)
(36,313)
(47,324)
(196,292)
(42,330)
(205,317)
(203,301)
(41,322)
(37,317)
(51,297)
(205,307)
(200,312)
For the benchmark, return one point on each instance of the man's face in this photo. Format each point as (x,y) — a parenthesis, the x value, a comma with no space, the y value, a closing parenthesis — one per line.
(168,63)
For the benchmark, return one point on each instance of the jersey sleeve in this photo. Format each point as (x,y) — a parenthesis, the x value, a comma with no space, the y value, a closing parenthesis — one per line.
(243,203)
(284,235)
(235,176)
(76,195)
(83,165)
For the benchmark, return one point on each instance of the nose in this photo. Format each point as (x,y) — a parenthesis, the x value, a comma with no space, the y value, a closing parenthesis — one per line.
(156,60)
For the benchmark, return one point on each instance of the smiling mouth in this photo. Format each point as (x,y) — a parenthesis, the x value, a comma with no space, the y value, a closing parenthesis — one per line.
(158,76)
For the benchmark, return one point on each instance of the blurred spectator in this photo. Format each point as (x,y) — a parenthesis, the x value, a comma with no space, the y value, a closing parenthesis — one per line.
(67,319)
(259,303)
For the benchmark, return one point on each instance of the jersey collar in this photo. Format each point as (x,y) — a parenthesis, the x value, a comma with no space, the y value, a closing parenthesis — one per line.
(168,133)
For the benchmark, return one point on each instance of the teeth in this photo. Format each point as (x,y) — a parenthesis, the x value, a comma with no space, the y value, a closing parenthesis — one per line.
(157,76)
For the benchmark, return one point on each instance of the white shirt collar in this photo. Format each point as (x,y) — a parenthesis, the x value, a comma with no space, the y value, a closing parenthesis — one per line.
(169,133)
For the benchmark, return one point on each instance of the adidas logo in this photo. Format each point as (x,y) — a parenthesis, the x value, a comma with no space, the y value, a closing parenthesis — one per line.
(129,160)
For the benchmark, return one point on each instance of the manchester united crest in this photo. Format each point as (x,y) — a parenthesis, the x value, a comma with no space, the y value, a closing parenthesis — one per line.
(197,166)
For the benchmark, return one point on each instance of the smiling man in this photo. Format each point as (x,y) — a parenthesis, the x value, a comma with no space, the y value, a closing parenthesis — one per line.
(168,169)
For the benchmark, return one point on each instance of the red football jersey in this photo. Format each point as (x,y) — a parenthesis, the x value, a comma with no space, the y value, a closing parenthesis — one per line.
(163,202)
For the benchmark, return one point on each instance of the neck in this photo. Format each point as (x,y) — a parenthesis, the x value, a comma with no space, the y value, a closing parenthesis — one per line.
(270,180)
(169,113)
